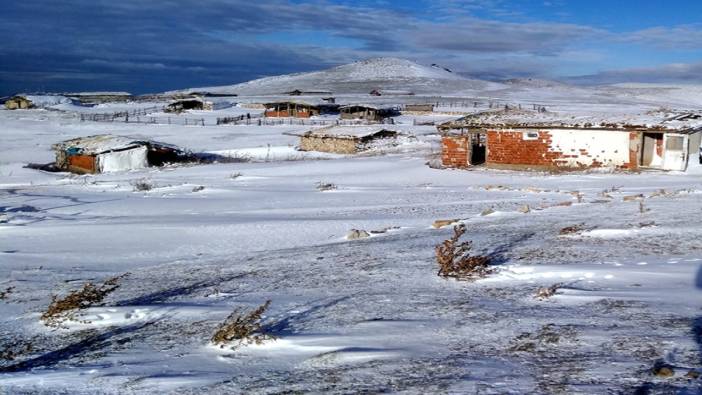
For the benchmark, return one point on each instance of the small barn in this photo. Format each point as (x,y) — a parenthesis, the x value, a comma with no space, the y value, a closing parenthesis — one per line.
(191,103)
(18,103)
(427,107)
(345,139)
(299,109)
(367,111)
(300,92)
(558,145)
(108,153)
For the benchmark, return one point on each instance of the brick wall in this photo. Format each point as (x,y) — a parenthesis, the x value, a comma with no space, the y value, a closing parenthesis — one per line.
(560,148)
(455,151)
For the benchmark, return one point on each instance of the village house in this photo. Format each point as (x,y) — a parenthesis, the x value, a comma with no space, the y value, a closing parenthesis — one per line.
(419,108)
(18,103)
(190,103)
(299,109)
(299,92)
(108,153)
(545,144)
(345,139)
(367,112)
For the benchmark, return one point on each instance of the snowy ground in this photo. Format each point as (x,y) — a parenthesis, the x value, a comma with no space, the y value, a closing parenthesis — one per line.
(350,316)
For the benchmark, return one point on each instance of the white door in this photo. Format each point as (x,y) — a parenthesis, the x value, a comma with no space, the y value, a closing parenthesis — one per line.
(675,151)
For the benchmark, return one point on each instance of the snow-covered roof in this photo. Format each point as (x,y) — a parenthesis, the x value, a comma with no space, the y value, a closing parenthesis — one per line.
(665,120)
(93,145)
(350,131)
(368,105)
(311,102)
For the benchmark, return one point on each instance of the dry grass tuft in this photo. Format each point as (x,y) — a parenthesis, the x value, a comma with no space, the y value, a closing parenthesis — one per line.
(67,308)
(455,260)
(546,292)
(325,186)
(6,292)
(143,185)
(569,230)
(242,328)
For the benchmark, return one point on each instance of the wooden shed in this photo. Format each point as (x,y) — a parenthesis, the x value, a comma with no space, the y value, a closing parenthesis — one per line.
(299,109)
(190,103)
(367,111)
(345,139)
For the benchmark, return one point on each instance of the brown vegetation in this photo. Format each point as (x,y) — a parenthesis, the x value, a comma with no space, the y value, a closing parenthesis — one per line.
(66,308)
(455,260)
(242,328)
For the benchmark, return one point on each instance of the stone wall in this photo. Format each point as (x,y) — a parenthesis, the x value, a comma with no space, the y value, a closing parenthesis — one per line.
(336,145)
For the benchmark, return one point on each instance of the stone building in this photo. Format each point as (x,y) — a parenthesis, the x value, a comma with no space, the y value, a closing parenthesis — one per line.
(345,139)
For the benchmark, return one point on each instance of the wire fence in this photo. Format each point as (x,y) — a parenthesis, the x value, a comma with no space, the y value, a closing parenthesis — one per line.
(260,121)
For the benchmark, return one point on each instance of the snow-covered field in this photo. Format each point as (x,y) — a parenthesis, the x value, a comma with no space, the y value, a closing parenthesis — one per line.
(350,316)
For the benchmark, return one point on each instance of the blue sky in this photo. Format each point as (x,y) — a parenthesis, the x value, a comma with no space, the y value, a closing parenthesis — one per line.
(159,45)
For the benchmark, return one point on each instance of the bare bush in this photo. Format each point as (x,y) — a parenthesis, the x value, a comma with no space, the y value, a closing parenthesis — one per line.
(6,292)
(68,307)
(325,186)
(455,259)
(546,292)
(143,185)
(241,328)
(569,230)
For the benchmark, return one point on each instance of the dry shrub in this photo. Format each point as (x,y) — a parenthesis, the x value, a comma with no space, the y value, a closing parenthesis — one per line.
(569,230)
(241,328)
(6,292)
(325,186)
(546,292)
(455,260)
(15,350)
(68,307)
(143,185)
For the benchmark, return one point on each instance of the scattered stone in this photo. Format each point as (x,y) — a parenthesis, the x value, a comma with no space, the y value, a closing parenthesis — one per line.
(662,369)
(384,230)
(356,234)
(440,223)
(487,211)
(524,209)
(693,374)
(198,188)
(631,198)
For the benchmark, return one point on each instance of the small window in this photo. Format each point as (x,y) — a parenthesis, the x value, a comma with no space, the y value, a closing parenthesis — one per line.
(674,143)
(530,136)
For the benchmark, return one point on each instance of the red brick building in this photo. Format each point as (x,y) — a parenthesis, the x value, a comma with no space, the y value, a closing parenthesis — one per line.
(562,147)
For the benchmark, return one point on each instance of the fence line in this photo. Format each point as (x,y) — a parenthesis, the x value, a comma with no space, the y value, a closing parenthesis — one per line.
(295,121)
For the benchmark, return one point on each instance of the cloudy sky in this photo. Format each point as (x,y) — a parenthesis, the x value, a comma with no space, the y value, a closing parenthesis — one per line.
(157,45)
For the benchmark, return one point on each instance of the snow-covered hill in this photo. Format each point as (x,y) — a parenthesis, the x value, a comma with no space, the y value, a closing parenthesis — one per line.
(362,77)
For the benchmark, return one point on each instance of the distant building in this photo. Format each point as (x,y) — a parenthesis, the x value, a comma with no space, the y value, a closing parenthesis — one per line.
(192,103)
(345,139)
(298,92)
(386,92)
(557,145)
(419,107)
(108,153)
(18,103)
(368,112)
(298,109)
